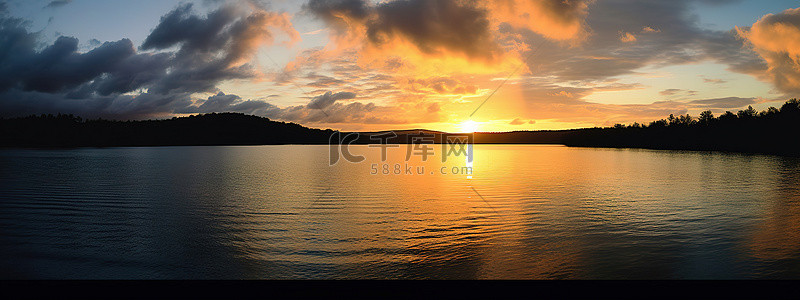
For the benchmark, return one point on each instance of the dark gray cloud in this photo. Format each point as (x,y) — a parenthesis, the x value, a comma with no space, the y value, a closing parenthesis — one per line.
(132,73)
(185,53)
(125,106)
(59,66)
(229,103)
(57,3)
(334,12)
(436,25)
(721,103)
(327,99)
(433,26)
(212,47)
(720,2)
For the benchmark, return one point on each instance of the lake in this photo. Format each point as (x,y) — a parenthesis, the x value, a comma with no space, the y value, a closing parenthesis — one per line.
(282,212)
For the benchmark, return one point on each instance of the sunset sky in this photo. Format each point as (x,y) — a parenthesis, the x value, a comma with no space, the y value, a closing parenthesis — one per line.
(377,65)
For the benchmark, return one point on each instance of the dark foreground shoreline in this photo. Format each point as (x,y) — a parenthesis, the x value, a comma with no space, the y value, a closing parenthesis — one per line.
(774,131)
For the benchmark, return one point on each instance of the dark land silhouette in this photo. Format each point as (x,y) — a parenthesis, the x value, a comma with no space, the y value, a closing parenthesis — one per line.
(206,129)
(773,131)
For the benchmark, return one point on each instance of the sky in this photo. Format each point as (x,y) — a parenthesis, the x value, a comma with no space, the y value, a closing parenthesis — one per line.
(496,65)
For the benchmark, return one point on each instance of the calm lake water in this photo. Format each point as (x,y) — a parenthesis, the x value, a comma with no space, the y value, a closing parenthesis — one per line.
(526,211)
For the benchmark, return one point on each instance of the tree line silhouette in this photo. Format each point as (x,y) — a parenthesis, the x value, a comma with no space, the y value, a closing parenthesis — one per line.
(772,131)
(206,129)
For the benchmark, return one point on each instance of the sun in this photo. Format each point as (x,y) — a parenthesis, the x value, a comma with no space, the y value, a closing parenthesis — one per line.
(469,126)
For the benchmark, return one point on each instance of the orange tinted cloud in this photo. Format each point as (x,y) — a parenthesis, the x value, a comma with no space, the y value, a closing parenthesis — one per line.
(441,85)
(435,37)
(257,33)
(554,19)
(776,38)
(627,37)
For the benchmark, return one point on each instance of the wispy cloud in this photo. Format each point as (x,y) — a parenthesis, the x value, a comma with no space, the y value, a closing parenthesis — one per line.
(57,3)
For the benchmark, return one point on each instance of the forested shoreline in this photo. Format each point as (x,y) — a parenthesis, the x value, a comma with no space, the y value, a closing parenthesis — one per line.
(205,129)
(773,131)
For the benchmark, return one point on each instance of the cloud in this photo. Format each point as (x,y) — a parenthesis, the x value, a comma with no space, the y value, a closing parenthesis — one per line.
(438,25)
(554,19)
(414,59)
(517,121)
(721,103)
(58,66)
(123,106)
(229,103)
(776,38)
(672,92)
(214,47)
(334,112)
(185,54)
(649,29)
(667,33)
(440,85)
(323,81)
(669,92)
(627,37)
(446,28)
(57,3)
(550,101)
(323,109)
(327,99)
(434,108)
(580,47)
(339,13)
(714,81)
